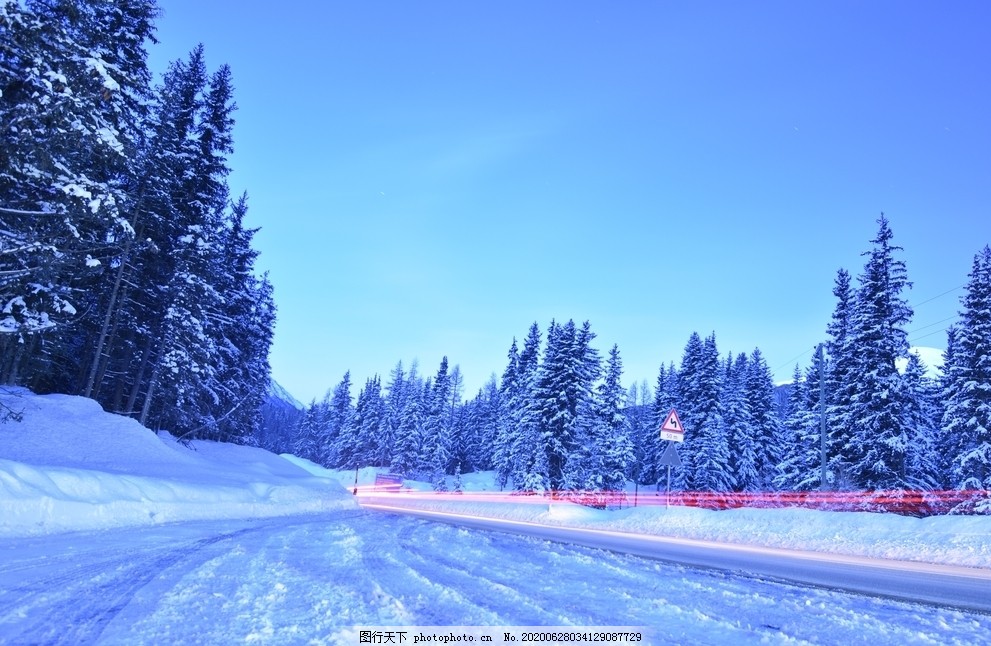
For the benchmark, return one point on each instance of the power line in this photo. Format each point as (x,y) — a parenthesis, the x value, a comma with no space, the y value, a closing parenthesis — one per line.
(949,291)
(791,361)
(930,334)
(919,329)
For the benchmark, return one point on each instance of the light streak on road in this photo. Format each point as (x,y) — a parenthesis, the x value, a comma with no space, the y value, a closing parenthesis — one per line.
(948,585)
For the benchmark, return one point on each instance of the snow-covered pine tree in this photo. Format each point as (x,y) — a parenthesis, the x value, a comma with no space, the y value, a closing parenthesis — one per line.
(967,420)
(643,435)
(564,389)
(505,435)
(767,428)
(529,460)
(338,418)
(304,440)
(358,442)
(556,413)
(459,434)
(407,446)
(435,452)
(615,446)
(482,419)
(707,463)
(75,87)
(739,427)
(800,466)
(948,444)
(584,464)
(186,357)
(877,444)
(692,413)
(920,417)
(840,382)
(243,328)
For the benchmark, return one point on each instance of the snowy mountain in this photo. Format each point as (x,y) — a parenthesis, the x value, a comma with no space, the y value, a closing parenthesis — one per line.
(280,415)
(280,394)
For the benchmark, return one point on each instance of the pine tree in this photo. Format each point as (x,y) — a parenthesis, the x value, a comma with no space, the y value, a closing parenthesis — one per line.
(305,442)
(800,468)
(338,418)
(739,425)
(877,444)
(563,389)
(74,88)
(615,445)
(187,354)
(435,449)
(509,389)
(920,417)
(358,443)
(459,434)
(529,460)
(639,415)
(841,382)
(967,420)
(243,329)
(768,433)
(705,446)
(483,420)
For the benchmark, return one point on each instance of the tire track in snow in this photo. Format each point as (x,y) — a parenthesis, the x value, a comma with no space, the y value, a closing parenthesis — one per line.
(495,591)
(86,589)
(417,590)
(87,597)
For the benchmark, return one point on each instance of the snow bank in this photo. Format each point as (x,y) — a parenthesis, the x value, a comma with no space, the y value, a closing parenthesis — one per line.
(71,466)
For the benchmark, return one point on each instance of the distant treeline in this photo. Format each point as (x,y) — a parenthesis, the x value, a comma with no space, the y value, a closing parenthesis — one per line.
(559,417)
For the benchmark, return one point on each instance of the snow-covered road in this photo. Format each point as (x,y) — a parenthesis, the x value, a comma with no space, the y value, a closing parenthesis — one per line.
(960,587)
(312,579)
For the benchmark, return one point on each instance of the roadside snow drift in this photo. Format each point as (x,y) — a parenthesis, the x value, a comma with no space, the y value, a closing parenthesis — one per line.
(68,465)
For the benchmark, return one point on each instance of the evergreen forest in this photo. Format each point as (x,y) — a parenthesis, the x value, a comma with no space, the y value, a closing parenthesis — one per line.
(560,419)
(126,271)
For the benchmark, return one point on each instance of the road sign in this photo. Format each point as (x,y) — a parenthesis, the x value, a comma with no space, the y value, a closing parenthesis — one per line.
(672,429)
(670,457)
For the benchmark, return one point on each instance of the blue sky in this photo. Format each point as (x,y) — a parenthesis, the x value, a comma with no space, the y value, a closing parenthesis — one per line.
(433,177)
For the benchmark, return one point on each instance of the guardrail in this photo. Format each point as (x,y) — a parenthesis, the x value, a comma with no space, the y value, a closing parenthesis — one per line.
(904,502)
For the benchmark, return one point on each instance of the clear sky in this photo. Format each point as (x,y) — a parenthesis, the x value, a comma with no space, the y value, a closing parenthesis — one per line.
(433,177)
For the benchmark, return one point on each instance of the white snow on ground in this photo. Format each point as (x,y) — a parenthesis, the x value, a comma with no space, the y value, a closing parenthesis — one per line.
(70,466)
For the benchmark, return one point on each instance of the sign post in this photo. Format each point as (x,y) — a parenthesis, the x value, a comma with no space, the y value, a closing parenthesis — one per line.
(673,431)
(669,459)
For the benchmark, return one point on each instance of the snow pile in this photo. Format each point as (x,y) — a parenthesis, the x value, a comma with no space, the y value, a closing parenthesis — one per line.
(71,466)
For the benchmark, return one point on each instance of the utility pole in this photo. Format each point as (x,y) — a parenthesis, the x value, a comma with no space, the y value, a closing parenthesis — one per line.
(822,416)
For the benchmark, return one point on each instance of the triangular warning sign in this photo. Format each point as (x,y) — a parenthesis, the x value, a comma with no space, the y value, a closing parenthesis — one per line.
(672,429)
(672,423)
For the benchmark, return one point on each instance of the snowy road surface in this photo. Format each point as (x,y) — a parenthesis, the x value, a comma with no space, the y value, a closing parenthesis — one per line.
(961,587)
(311,579)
